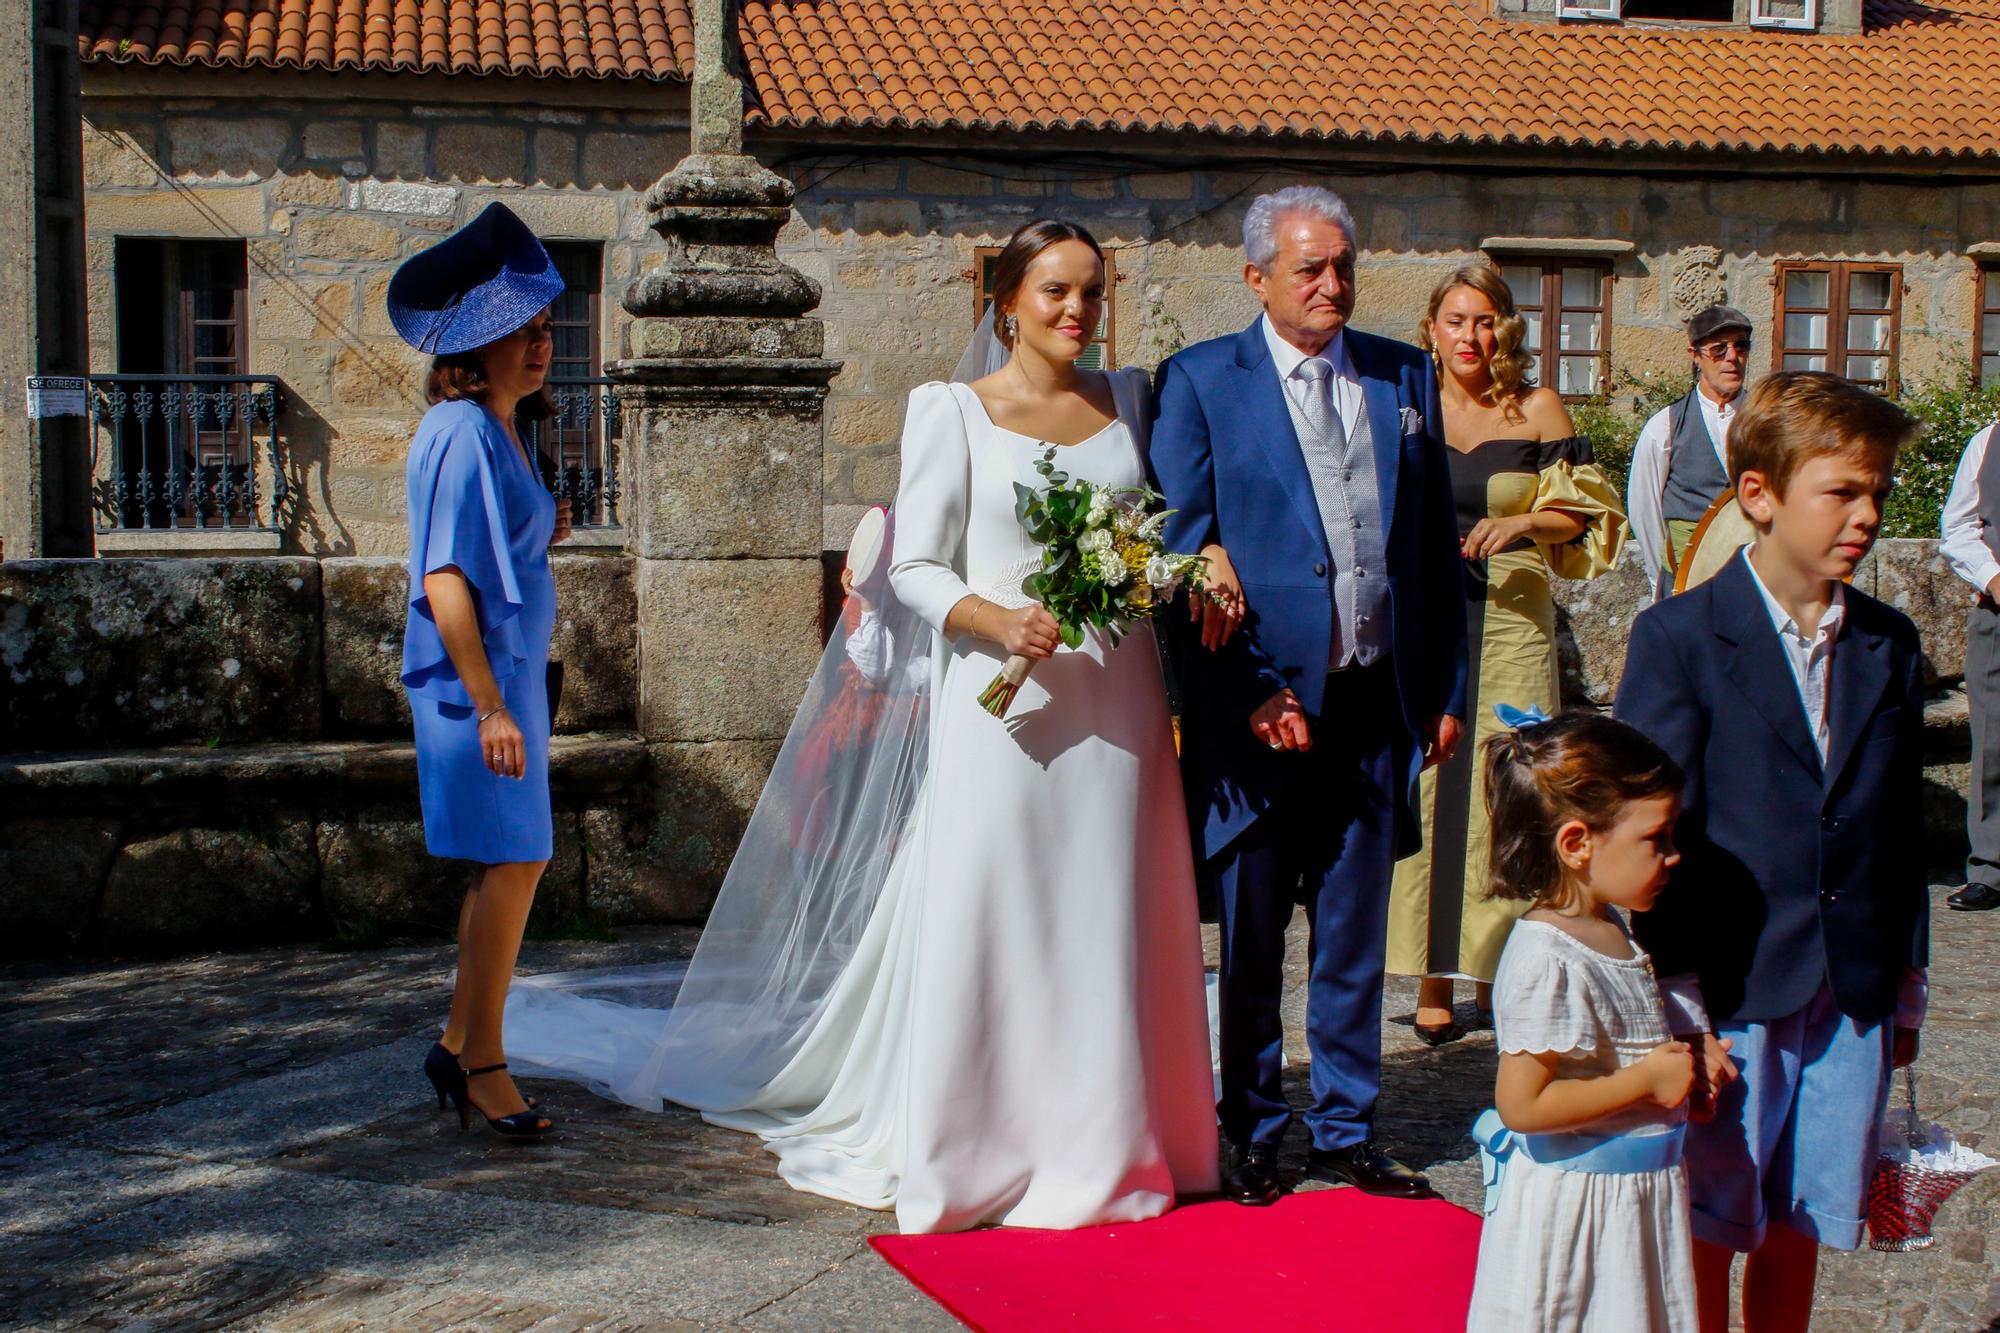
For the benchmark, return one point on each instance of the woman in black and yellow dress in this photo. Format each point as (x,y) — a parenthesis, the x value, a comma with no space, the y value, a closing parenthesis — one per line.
(1531,504)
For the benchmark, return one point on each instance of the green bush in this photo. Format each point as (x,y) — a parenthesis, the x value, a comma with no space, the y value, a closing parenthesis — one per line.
(1951,412)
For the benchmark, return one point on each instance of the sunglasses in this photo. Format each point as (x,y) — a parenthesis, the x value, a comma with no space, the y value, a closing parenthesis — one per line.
(1716,351)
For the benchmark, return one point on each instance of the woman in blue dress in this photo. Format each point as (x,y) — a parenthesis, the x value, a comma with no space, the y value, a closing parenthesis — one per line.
(482,608)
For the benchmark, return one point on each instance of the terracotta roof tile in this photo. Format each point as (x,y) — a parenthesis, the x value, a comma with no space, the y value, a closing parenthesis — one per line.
(633,39)
(1918,80)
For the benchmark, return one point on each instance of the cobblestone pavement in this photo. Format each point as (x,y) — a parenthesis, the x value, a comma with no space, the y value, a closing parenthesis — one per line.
(244,1141)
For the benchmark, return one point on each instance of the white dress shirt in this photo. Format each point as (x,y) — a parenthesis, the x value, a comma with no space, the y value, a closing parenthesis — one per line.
(1809,658)
(1964,545)
(1811,661)
(1651,456)
(1347,397)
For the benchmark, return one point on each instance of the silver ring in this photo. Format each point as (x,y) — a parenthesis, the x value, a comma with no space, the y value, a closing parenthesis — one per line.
(1277,745)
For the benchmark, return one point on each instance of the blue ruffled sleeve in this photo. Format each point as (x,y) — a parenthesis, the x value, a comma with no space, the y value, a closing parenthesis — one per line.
(458,518)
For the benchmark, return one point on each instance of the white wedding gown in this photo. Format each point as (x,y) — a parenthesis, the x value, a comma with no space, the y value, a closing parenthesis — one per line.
(1020,1034)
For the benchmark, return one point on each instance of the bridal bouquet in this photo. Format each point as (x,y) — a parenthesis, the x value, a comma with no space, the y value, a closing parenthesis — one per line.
(1102,563)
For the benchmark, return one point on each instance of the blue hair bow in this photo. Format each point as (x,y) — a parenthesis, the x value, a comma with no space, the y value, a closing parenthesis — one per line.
(1516,718)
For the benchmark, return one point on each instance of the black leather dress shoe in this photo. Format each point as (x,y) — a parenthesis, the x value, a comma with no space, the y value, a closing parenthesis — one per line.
(1974,898)
(1255,1179)
(1369,1169)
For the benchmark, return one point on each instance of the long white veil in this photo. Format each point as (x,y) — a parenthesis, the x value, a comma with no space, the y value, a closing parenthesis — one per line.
(711,1032)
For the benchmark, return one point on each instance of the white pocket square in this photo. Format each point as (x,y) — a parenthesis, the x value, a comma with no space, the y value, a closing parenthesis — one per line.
(1413,421)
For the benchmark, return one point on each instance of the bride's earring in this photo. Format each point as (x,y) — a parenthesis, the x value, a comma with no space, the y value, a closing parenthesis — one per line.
(1013,326)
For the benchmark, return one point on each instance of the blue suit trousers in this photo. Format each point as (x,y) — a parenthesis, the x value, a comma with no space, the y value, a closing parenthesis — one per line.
(1329,842)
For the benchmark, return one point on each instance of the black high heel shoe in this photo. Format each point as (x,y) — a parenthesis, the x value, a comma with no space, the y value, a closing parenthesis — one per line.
(520,1125)
(441,1067)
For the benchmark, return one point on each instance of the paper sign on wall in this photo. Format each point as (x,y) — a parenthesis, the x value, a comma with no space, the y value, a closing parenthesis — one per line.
(55,396)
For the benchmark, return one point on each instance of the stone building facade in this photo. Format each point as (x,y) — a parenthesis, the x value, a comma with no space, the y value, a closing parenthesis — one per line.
(329,182)
(893,243)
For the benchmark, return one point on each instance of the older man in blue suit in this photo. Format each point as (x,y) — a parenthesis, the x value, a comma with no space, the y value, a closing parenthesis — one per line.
(1313,454)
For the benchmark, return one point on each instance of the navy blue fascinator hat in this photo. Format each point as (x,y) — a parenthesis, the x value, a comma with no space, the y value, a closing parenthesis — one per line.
(477,285)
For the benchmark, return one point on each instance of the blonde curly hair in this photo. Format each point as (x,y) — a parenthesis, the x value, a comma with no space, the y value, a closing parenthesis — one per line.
(1509,365)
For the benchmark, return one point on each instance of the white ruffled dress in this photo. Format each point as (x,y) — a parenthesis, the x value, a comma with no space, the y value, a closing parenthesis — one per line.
(1572,1250)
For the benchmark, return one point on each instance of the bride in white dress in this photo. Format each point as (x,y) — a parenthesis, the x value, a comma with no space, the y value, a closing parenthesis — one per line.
(955,969)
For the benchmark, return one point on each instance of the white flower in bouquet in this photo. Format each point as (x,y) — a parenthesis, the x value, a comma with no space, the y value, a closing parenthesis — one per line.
(1100,508)
(1162,574)
(1111,571)
(1096,541)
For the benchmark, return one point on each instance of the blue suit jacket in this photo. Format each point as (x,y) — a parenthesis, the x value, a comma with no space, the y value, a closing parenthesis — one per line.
(1226,456)
(1791,871)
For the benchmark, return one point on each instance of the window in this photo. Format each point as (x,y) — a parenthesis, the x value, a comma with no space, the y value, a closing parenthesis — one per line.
(1097,356)
(1801,14)
(1704,11)
(578,354)
(573,443)
(1567,306)
(1986,331)
(182,455)
(1840,317)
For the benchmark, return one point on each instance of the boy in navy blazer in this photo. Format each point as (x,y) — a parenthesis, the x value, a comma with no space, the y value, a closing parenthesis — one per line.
(1792,940)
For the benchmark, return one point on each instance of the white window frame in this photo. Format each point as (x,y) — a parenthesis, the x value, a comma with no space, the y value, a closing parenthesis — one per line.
(1762,17)
(1606,10)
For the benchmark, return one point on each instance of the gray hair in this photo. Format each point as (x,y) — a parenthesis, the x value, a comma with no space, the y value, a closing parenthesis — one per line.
(1260,224)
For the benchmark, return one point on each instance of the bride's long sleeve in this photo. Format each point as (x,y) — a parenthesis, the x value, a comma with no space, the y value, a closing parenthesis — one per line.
(931,505)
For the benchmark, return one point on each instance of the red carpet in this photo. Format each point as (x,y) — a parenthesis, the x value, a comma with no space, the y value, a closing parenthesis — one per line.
(1327,1260)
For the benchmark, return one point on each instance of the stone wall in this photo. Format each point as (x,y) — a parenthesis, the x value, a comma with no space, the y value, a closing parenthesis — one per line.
(273,791)
(116,653)
(331,182)
(892,244)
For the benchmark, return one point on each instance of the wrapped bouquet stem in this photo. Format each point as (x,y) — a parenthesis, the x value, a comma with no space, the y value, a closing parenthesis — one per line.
(1103,564)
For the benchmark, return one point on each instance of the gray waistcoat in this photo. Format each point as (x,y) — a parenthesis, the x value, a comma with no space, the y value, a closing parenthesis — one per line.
(1989,498)
(1694,474)
(1350,507)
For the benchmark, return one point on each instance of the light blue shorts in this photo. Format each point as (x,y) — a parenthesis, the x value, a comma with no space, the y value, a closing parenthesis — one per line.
(1794,1139)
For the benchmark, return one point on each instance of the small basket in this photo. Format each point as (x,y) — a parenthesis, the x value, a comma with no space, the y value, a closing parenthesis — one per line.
(1904,1198)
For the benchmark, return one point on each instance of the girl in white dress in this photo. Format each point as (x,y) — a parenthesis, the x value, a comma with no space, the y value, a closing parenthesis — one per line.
(1587,1204)
(975,994)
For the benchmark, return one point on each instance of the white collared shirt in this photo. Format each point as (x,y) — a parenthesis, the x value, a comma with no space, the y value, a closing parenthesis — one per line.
(1964,545)
(1809,658)
(1652,455)
(1347,396)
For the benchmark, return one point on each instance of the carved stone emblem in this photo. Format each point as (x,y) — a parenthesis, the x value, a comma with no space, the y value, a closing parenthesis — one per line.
(1697,281)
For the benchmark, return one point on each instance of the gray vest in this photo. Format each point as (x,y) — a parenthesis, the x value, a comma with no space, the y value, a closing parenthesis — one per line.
(1694,474)
(1989,498)
(1350,507)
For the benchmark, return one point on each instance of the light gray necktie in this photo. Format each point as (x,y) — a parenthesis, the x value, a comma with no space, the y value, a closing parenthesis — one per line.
(1320,417)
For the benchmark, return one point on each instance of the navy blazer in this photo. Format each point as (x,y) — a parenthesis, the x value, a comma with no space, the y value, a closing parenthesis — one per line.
(1227,458)
(1791,871)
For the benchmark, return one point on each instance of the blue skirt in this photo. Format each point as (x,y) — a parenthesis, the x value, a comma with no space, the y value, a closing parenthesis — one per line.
(471,812)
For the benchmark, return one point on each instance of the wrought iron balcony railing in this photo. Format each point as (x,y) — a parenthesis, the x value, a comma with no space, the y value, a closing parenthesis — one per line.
(192,452)
(578,449)
(206,452)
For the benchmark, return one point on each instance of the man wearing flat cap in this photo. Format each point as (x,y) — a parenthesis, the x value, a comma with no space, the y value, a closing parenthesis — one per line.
(1681,462)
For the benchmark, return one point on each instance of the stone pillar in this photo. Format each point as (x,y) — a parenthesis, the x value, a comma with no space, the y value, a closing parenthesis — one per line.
(44,470)
(723,387)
